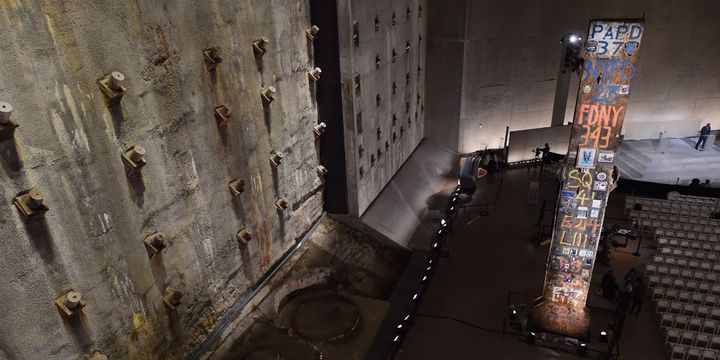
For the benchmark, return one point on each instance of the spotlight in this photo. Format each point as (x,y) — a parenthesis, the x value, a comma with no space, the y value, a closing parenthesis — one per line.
(582,349)
(443,222)
(512,313)
(603,336)
(574,38)
(530,338)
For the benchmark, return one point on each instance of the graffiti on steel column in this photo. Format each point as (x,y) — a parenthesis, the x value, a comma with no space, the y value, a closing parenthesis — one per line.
(610,55)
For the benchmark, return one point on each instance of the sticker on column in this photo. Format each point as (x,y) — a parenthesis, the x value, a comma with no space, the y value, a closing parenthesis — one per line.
(595,213)
(586,158)
(591,46)
(600,186)
(606,157)
(631,47)
(601,176)
(587,89)
(597,203)
(582,212)
(624,89)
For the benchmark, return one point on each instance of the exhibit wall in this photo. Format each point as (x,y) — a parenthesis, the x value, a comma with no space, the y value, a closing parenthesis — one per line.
(382,62)
(495,65)
(209,171)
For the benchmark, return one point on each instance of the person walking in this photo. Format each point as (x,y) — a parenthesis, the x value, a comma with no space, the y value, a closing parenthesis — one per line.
(638,295)
(704,132)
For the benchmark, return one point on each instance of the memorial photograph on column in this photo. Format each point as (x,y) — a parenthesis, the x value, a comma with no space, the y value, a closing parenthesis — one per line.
(610,54)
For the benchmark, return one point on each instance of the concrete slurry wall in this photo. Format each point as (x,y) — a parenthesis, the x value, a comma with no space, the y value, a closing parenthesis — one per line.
(511,54)
(69,145)
(385,143)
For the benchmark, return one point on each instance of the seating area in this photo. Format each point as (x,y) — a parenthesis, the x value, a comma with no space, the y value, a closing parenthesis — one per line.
(683,274)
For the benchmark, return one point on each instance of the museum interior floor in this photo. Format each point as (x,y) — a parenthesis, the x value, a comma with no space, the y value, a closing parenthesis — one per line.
(461,316)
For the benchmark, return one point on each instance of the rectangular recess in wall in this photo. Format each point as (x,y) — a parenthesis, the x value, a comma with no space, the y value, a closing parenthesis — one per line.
(326,48)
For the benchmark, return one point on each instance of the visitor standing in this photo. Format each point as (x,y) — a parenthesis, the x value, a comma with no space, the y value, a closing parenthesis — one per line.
(704,132)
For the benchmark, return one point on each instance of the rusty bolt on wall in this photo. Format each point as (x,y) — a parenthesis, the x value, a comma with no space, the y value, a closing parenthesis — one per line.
(281,203)
(243,237)
(319,129)
(212,58)
(236,186)
(276,158)
(314,74)
(172,299)
(7,125)
(268,95)
(70,304)
(134,159)
(223,114)
(155,243)
(112,87)
(312,32)
(260,46)
(31,204)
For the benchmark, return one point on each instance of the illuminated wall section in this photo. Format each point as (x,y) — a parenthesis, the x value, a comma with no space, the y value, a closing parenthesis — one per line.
(611,52)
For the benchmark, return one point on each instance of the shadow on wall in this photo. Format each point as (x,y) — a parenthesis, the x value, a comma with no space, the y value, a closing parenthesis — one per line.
(79,330)
(39,234)
(136,185)
(10,157)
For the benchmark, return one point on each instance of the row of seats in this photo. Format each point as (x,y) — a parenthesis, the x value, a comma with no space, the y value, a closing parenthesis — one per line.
(678,222)
(688,254)
(683,297)
(684,352)
(682,202)
(699,286)
(683,243)
(689,235)
(672,308)
(684,263)
(686,274)
(692,199)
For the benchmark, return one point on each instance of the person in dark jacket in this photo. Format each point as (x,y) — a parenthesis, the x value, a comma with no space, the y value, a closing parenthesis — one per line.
(638,295)
(704,132)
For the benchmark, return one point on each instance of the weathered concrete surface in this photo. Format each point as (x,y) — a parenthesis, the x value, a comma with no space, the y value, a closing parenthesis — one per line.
(511,60)
(336,257)
(385,143)
(69,144)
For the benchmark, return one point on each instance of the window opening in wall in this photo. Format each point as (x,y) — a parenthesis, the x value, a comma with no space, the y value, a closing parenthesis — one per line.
(359,123)
(379,153)
(419,39)
(379,133)
(416,116)
(407,46)
(387,145)
(407,107)
(407,13)
(407,79)
(356,85)
(378,99)
(409,121)
(394,19)
(372,160)
(360,151)
(362,172)
(378,62)
(394,120)
(418,99)
(419,70)
(402,131)
(419,10)
(394,56)
(377,24)
(394,88)
(394,137)
(356,33)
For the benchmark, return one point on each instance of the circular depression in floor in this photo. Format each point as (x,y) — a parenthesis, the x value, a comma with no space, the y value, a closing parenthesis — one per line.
(320,314)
